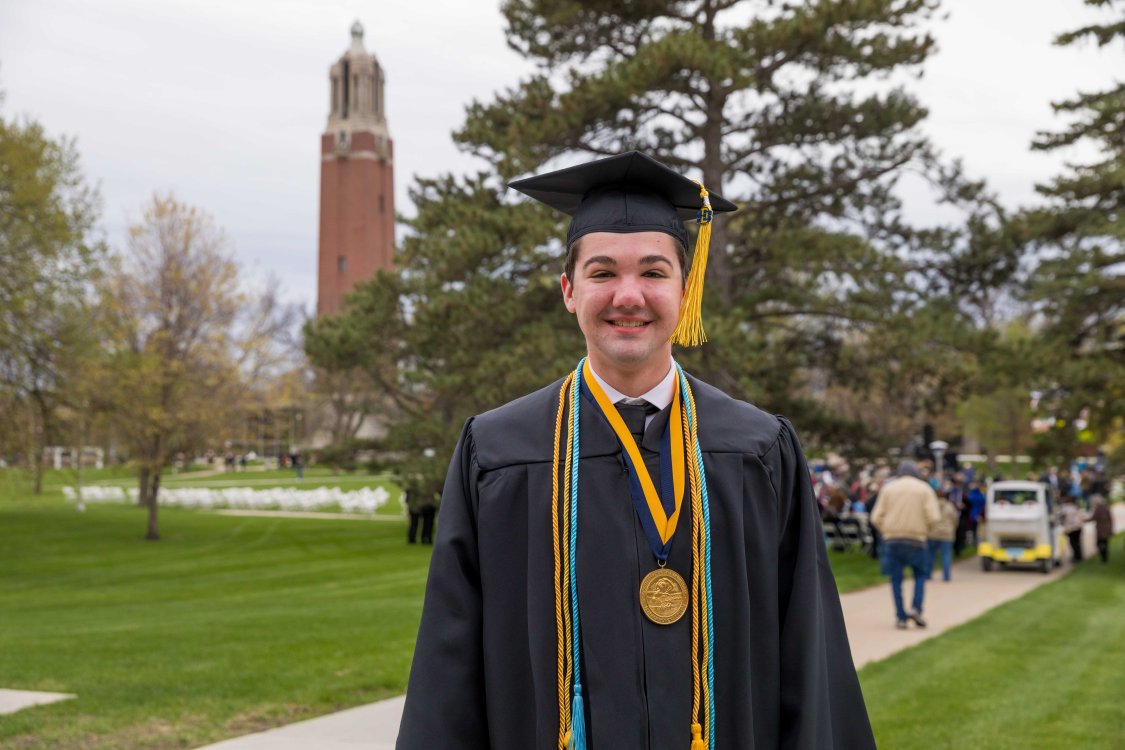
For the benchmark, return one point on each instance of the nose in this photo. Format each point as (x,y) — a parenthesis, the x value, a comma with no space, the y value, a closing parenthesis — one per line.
(629,293)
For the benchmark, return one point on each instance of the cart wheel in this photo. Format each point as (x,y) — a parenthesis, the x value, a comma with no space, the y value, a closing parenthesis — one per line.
(1044,568)
(986,564)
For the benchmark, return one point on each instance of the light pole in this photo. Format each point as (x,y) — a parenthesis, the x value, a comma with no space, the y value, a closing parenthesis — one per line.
(939,447)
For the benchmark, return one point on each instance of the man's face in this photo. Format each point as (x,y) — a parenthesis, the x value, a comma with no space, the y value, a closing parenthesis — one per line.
(626,293)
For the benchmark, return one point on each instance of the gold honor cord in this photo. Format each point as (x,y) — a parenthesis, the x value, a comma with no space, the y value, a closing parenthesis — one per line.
(696,600)
(699,618)
(562,603)
(701,696)
(665,524)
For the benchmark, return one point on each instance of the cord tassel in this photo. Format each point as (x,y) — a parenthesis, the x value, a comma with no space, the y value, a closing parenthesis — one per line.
(578,727)
(697,742)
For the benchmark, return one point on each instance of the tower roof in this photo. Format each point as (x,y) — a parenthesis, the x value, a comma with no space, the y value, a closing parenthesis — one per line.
(357,38)
(357,90)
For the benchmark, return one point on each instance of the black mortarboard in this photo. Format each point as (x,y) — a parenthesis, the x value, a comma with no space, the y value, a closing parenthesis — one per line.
(633,192)
(630,192)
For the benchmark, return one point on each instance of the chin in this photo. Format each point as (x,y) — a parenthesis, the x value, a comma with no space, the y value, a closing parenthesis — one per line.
(630,354)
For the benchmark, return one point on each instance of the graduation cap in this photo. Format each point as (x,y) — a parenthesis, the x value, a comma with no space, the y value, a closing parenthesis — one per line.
(629,193)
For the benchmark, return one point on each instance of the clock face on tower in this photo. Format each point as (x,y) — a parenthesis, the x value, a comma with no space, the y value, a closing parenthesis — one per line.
(356,179)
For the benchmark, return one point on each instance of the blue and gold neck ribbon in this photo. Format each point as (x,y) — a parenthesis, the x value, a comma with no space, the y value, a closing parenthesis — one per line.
(659,512)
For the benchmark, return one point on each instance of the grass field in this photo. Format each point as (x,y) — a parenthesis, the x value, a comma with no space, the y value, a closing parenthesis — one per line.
(231,625)
(854,570)
(225,626)
(1044,671)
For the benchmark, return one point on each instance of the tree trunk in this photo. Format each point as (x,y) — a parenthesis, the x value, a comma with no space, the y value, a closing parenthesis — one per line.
(38,437)
(153,502)
(142,487)
(37,467)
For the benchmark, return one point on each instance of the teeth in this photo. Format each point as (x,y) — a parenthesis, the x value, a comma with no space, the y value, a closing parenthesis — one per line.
(630,323)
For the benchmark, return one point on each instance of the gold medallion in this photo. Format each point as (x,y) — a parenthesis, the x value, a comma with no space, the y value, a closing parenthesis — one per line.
(664,596)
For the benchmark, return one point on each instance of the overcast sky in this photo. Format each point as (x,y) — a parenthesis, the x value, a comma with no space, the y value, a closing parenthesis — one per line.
(224,102)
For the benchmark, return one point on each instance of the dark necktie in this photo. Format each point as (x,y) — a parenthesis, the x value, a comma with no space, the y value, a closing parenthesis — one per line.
(634,416)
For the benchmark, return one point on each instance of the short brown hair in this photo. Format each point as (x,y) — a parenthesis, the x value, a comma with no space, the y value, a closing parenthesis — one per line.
(572,258)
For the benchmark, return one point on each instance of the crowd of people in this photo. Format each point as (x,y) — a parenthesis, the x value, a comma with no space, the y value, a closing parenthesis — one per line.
(846,493)
(843,494)
(917,517)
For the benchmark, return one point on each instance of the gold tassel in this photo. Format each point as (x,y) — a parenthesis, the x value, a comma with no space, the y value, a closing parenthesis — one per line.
(697,742)
(689,330)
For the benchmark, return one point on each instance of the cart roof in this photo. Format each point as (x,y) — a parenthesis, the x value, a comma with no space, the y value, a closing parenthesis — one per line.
(1015,485)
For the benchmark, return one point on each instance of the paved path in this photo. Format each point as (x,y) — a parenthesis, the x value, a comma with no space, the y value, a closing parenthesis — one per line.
(323,516)
(370,727)
(869,616)
(17,700)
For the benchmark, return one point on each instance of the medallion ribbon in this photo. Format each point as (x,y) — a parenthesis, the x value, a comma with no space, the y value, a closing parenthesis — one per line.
(658,515)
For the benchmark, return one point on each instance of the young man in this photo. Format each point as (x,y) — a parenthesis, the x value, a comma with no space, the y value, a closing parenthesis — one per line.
(581,523)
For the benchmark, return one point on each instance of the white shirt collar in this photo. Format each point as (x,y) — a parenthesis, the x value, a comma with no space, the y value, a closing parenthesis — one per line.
(660,396)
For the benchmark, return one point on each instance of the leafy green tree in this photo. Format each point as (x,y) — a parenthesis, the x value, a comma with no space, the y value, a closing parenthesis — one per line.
(48,256)
(1077,286)
(183,343)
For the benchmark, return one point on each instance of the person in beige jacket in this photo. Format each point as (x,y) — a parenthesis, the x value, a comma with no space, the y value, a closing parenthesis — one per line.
(906,509)
(941,537)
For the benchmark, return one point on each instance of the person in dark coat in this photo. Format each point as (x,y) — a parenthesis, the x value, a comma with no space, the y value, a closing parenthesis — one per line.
(1103,525)
(552,615)
(421,504)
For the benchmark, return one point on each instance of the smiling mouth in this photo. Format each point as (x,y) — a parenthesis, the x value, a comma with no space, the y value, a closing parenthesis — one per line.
(629,323)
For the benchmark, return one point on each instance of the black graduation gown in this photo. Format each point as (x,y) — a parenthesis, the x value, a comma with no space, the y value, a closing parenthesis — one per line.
(484,670)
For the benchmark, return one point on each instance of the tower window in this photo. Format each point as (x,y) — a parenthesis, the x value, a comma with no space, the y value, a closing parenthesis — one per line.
(343,140)
(382,205)
(341,264)
(344,90)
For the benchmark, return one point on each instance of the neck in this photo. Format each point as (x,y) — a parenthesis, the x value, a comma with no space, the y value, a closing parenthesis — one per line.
(633,381)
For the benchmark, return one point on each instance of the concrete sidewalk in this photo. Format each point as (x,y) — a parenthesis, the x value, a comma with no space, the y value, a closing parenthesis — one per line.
(370,727)
(868,614)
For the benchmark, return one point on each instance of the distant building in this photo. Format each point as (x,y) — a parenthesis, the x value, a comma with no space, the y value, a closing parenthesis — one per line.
(357,208)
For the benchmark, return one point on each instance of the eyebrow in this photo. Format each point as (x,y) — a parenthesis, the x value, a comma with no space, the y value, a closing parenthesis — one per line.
(648,260)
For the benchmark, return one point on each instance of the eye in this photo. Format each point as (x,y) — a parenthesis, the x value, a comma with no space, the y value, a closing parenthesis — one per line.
(656,273)
(601,273)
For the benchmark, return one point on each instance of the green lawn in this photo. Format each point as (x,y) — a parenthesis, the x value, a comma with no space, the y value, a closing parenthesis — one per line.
(226,626)
(1044,671)
(231,625)
(854,570)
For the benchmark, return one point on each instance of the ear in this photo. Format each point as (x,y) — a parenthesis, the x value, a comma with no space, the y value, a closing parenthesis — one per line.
(567,293)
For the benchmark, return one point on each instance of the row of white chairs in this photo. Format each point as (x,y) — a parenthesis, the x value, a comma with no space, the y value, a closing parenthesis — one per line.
(362,500)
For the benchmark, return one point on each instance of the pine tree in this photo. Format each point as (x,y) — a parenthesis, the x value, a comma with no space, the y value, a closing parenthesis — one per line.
(471,318)
(781,107)
(1077,288)
(817,283)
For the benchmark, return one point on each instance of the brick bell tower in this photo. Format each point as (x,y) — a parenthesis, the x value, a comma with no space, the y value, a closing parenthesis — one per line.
(357,205)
